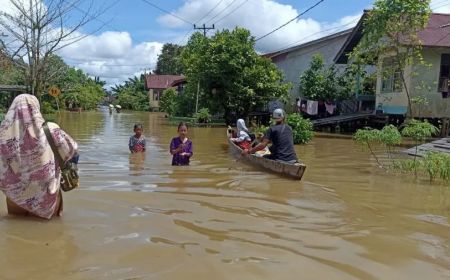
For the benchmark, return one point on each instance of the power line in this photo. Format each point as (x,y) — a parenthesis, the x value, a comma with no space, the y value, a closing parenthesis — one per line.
(283,25)
(210,11)
(167,12)
(219,13)
(314,34)
(100,20)
(235,9)
(441,5)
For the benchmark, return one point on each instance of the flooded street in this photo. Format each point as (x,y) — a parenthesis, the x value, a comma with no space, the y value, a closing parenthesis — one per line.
(137,217)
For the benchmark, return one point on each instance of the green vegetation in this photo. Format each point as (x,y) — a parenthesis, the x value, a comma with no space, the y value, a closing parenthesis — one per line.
(78,90)
(231,76)
(203,116)
(38,31)
(302,129)
(319,82)
(419,131)
(390,137)
(260,130)
(433,164)
(132,94)
(369,137)
(169,61)
(168,101)
(391,34)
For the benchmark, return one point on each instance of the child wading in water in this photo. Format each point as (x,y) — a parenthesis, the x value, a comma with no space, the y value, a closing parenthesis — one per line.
(181,146)
(137,141)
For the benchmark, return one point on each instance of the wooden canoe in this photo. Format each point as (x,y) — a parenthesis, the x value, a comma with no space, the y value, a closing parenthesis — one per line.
(291,170)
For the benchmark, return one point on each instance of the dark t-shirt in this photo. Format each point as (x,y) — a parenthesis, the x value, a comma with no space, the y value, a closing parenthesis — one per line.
(282,142)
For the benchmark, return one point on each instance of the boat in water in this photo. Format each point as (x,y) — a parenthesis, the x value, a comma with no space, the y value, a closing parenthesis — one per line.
(292,170)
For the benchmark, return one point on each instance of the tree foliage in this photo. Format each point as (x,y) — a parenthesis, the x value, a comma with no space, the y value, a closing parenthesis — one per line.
(78,90)
(38,29)
(391,30)
(203,116)
(232,77)
(318,82)
(168,101)
(132,94)
(169,61)
(302,129)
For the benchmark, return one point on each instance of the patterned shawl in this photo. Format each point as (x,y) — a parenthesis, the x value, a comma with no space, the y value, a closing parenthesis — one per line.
(29,175)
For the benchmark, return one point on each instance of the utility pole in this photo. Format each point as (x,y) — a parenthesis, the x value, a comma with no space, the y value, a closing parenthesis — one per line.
(204,28)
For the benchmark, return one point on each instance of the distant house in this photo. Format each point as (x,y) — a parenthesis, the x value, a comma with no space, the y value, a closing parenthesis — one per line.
(156,84)
(296,60)
(391,99)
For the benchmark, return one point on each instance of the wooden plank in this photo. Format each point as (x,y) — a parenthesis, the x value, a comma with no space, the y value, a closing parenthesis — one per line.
(340,119)
(442,146)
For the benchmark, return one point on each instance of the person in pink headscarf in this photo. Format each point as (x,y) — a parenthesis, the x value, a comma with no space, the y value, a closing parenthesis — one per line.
(29,174)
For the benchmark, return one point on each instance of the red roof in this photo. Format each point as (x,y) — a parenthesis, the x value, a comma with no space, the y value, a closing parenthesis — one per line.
(162,81)
(437,33)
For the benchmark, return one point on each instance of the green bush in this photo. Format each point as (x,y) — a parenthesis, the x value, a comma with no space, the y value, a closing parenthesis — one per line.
(260,130)
(437,164)
(419,130)
(302,129)
(203,116)
(47,108)
(168,101)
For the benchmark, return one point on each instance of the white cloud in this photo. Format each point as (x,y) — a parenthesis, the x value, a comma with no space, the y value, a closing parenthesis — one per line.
(260,17)
(112,56)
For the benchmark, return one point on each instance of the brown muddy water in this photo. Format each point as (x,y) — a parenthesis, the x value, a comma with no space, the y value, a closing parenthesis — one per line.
(137,217)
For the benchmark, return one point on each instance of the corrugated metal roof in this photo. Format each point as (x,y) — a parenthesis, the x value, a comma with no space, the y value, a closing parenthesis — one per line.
(313,42)
(162,81)
(436,34)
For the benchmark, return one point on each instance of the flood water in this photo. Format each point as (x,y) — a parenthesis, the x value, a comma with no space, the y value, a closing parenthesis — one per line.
(137,217)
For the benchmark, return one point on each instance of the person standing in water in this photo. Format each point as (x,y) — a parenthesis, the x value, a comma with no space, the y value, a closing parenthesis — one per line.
(137,141)
(30,175)
(181,146)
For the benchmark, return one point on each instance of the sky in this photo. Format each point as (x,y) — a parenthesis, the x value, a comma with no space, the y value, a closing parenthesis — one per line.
(127,38)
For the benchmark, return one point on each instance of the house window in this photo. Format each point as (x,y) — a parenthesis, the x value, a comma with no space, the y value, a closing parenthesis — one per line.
(392,80)
(444,76)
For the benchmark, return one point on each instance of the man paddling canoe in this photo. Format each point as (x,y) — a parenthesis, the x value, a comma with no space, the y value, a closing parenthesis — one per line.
(280,135)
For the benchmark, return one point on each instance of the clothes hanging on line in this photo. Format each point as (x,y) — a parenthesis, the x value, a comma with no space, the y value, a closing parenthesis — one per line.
(312,107)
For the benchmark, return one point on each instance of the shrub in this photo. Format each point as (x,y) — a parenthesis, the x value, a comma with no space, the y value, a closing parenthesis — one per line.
(435,163)
(260,130)
(203,115)
(47,108)
(419,130)
(390,136)
(302,129)
(168,102)
(369,137)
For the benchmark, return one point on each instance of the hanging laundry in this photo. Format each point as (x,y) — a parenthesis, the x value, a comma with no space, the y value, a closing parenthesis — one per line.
(330,107)
(312,107)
